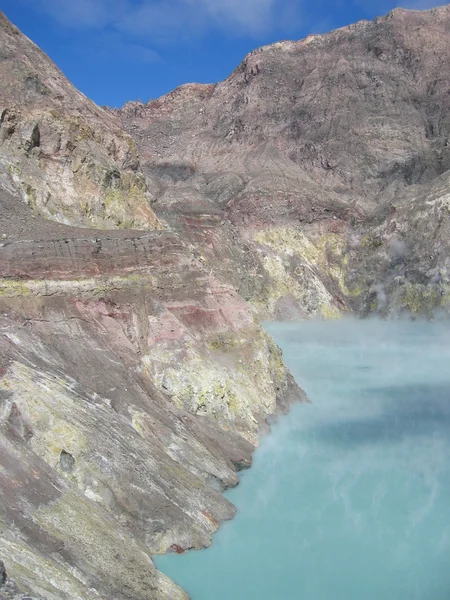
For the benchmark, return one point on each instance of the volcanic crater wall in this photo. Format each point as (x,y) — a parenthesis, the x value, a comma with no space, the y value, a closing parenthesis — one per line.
(141,247)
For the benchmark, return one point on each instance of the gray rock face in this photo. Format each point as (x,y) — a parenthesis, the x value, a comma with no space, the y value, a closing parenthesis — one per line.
(140,246)
(8,588)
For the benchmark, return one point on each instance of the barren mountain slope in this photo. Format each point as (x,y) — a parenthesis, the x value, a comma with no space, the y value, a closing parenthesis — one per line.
(133,385)
(297,148)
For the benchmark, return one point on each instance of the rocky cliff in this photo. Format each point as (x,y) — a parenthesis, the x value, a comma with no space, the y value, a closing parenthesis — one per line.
(139,250)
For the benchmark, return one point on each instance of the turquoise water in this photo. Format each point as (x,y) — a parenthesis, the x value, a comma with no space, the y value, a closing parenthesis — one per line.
(349,497)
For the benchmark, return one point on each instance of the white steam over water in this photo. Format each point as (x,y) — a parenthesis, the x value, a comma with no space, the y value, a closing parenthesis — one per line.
(349,497)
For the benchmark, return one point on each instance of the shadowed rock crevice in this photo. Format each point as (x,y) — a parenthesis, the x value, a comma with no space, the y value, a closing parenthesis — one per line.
(66,461)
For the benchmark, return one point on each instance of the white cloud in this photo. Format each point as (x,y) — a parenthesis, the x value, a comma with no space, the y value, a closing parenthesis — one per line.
(111,45)
(168,18)
(183,19)
(80,13)
(250,15)
(138,52)
(162,20)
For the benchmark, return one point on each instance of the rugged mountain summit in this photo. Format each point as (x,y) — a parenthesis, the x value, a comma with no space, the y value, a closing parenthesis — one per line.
(299,149)
(141,246)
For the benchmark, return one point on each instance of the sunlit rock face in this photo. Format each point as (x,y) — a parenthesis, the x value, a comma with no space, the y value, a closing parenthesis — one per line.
(131,393)
(315,177)
(139,249)
(67,158)
(134,381)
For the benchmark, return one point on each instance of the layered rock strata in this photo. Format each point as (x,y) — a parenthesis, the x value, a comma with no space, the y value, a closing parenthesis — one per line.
(315,178)
(141,247)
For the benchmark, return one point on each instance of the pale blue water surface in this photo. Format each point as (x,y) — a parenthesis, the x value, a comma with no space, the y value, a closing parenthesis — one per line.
(349,497)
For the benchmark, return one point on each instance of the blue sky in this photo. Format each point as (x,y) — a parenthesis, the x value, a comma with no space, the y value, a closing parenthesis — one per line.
(119,50)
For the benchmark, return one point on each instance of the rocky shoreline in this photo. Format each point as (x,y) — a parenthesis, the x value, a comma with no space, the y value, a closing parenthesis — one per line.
(122,416)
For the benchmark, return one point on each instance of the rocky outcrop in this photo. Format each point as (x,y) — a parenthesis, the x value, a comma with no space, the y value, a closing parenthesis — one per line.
(68,158)
(134,385)
(8,587)
(99,470)
(139,249)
